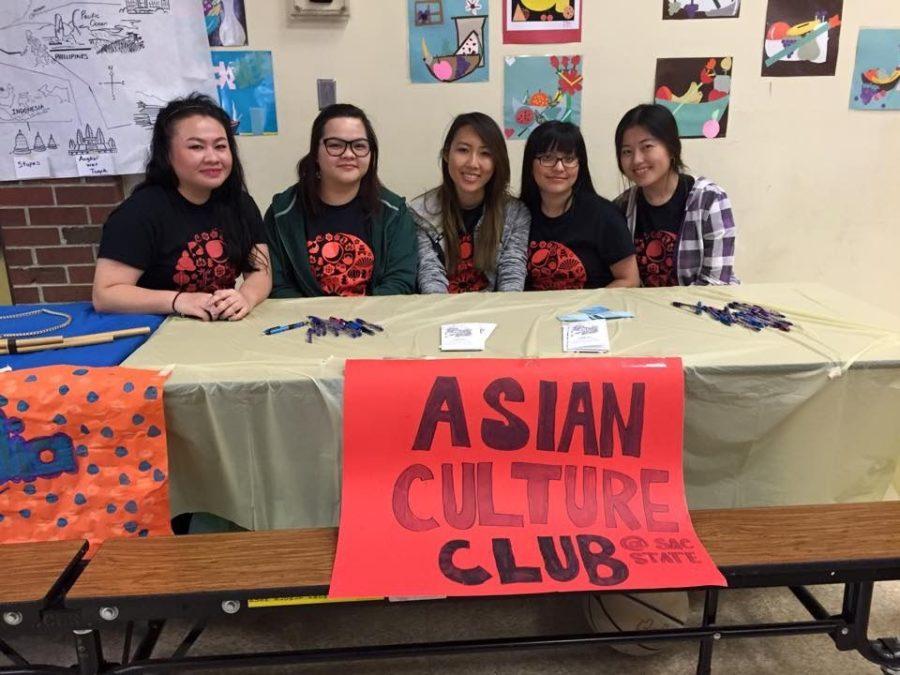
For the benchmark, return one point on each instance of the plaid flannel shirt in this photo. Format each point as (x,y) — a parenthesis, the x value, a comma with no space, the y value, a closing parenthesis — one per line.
(706,240)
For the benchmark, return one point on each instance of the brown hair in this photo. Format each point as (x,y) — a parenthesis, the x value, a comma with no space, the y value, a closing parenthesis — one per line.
(496,194)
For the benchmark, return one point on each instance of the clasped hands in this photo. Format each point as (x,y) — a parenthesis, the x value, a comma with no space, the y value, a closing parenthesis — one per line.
(223,305)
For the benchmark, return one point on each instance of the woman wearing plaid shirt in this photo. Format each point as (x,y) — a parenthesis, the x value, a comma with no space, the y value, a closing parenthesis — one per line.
(683,228)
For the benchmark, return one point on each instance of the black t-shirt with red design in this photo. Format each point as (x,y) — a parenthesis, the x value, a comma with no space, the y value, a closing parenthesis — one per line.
(575,250)
(656,236)
(340,249)
(467,278)
(178,245)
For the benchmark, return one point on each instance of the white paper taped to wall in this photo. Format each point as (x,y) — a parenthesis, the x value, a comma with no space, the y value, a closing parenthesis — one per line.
(81,78)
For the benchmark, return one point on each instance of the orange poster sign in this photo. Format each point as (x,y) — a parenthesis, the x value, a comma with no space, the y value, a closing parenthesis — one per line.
(489,476)
(82,454)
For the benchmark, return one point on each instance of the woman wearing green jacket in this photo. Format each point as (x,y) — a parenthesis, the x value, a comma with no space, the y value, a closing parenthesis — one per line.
(338,231)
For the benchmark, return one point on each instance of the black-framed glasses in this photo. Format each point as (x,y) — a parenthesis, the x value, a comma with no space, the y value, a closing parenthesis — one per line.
(338,146)
(550,159)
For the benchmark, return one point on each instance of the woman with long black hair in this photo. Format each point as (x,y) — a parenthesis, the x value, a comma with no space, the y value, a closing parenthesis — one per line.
(578,238)
(179,243)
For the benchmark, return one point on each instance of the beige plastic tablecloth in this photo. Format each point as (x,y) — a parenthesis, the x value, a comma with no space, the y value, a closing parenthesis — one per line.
(810,416)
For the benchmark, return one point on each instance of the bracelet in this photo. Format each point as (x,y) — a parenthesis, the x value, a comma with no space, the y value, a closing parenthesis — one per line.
(175,311)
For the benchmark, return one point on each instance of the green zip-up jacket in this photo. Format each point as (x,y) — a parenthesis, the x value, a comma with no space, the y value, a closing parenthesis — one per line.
(393,243)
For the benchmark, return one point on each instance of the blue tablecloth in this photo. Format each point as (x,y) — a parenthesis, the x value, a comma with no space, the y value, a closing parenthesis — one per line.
(84,320)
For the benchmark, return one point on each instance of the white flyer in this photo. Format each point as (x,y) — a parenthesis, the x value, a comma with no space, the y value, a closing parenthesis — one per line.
(586,336)
(465,337)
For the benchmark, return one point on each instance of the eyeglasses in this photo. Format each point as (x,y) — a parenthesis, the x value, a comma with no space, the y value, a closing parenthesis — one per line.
(338,146)
(549,159)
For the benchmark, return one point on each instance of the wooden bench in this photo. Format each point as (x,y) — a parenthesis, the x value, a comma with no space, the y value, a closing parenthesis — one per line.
(32,579)
(202,576)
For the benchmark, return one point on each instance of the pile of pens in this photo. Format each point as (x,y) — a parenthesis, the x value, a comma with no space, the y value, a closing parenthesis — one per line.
(752,317)
(316,327)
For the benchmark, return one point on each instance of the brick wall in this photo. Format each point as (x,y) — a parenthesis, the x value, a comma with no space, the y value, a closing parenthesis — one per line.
(50,230)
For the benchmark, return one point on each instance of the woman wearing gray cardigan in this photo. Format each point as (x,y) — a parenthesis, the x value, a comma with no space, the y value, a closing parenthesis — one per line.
(472,235)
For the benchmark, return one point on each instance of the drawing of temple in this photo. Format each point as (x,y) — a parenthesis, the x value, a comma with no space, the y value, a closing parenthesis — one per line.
(21,145)
(90,142)
(146,6)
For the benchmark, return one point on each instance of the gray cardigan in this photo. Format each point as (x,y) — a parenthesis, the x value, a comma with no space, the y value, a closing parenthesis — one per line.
(509,271)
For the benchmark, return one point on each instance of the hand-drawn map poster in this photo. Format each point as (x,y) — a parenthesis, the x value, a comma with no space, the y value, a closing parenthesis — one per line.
(81,82)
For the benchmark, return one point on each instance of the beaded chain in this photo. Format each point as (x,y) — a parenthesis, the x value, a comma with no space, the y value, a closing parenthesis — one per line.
(66,320)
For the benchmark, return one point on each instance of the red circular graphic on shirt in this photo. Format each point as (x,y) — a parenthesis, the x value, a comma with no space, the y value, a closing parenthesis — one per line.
(203,265)
(467,278)
(341,263)
(656,252)
(554,267)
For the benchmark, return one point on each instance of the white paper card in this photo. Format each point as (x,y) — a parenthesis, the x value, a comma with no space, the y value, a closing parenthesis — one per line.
(31,167)
(465,337)
(101,164)
(586,336)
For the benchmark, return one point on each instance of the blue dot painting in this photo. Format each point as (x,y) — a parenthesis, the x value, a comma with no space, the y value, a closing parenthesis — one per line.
(79,457)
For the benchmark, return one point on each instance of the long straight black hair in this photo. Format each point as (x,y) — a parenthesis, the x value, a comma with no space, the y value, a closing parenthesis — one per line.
(564,138)
(309,180)
(229,200)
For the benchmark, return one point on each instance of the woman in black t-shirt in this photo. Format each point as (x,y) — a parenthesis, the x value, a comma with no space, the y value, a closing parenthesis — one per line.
(683,227)
(179,242)
(578,238)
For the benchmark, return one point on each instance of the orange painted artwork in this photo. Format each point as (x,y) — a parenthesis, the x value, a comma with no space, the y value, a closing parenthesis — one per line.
(82,454)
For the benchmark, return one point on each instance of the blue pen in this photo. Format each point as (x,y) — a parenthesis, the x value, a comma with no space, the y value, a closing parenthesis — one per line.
(369,324)
(357,326)
(274,330)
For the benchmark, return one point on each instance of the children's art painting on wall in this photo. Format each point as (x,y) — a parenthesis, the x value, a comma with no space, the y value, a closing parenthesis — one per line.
(246,87)
(802,38)
(701,9)
(541,21)
(538,89)
(876,77)
(448,41)
(697,91)
(226,23)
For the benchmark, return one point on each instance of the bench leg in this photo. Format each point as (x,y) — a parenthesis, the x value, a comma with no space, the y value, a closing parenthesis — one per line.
(193,634)
(147,644)
(89,652)
(12,654)
(856,610)
(710,607)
